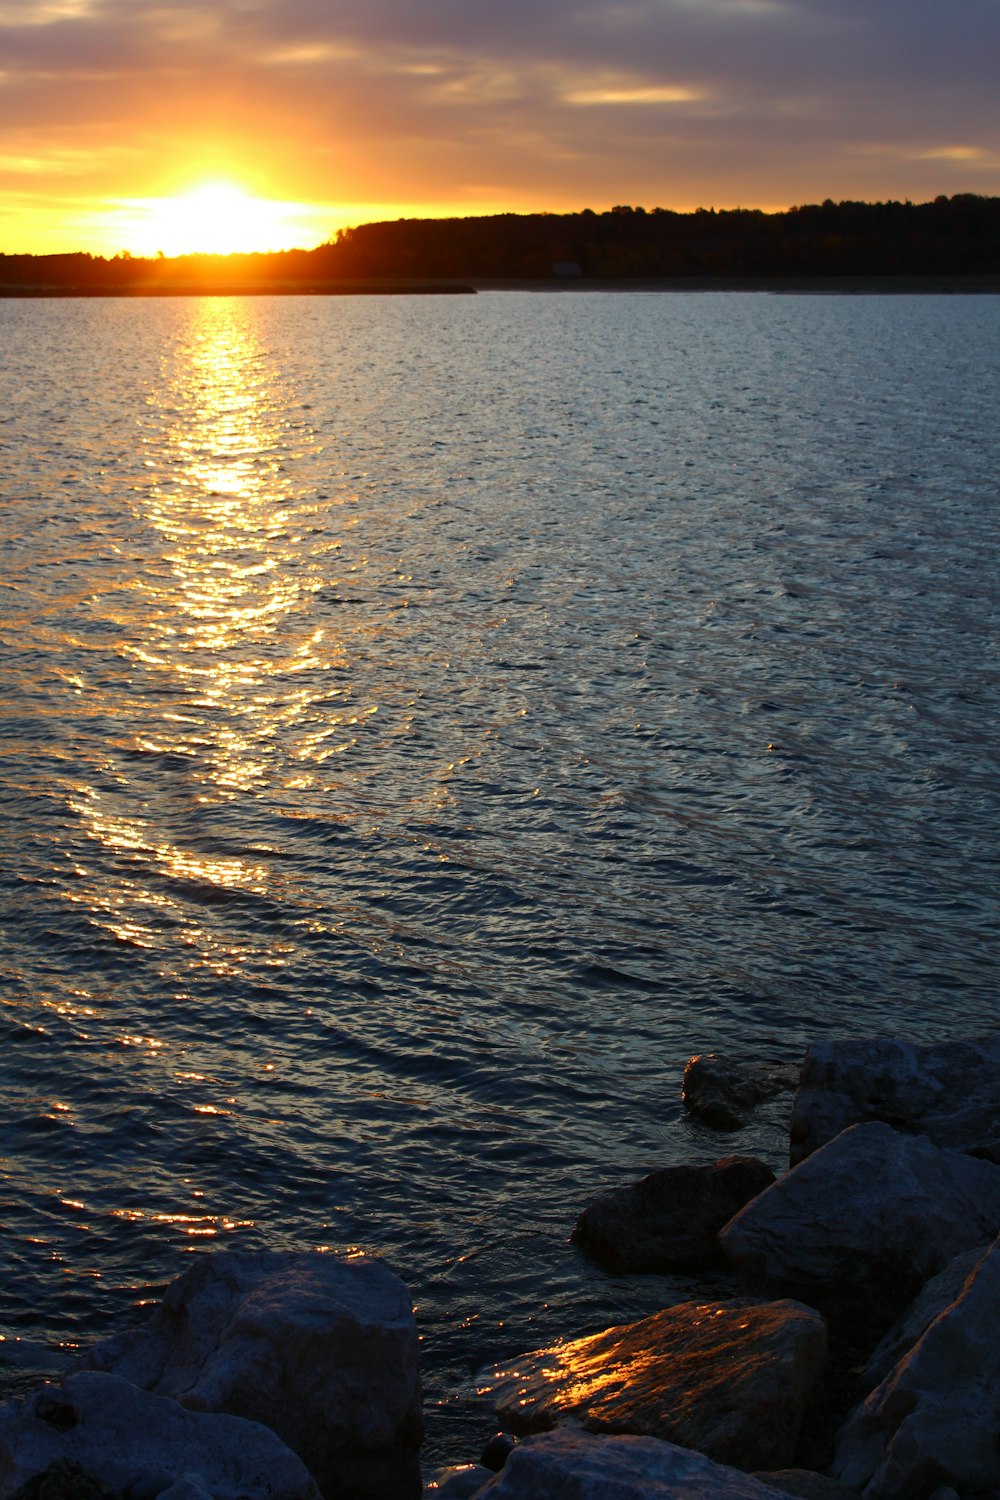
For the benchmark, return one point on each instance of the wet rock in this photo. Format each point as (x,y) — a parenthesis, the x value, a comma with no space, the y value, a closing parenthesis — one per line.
(123,1436)
(670,1219)
(321,1348)
(863,1222)
(934,1421)
(497,1451)
(807,1485)
(949,1091)
(457,1482)
(723,1091)
(730,1379)
(577,1466)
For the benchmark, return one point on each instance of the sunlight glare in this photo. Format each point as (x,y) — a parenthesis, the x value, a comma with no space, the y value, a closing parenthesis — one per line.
(217,218)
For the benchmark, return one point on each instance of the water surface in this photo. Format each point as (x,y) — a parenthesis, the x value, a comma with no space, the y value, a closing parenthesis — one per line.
(425,724)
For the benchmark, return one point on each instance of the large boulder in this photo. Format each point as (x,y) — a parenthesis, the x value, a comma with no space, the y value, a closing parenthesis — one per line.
(932,1299)
(129,1441)
(934,1421)
(723,1092)
(862,1223)
(321,1348)
(949,1091)
(670,1219)
(730,1379)
(577,1466)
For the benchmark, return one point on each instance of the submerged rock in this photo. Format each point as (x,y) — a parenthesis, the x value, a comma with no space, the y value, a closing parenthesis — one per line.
(130,1442)
(949,1091)
(321,1348)
(863,1222)
(670,1219)
(578,1466)
(723,1091)
(730,1379)
(934,1420)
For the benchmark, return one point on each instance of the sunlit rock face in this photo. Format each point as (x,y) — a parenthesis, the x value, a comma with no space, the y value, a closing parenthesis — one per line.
(671,1218)
(136,1443)
(949,1092)
(723,1092)
(730,1379)
(864,1221)
(933,1421)
(320,1348)
(577,1466)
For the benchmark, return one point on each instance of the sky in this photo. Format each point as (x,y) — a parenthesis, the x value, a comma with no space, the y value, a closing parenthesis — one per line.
(310,115)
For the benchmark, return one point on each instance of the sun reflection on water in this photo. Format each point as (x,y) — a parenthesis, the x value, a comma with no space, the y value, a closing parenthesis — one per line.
(229,629)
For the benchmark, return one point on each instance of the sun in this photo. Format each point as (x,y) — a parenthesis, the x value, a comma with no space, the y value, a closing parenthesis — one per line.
(215,218)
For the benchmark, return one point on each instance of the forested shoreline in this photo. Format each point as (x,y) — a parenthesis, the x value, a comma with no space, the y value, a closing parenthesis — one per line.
(949,237)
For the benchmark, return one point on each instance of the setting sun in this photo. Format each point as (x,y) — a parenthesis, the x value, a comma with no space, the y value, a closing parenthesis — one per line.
(216,218)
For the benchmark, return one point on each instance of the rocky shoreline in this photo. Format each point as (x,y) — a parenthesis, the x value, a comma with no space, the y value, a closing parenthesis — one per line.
(858,1355)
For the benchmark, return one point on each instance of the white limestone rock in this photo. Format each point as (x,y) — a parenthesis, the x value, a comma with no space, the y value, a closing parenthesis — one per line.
(578,1466)
(935,1420)
(131,1440)
(321,1348)
(949,1091)
(864,1221)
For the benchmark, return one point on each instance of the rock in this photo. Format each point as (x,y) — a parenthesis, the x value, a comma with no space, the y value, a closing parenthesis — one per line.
(934,1420)
(65,1480)
(188,1488)
(670,1219)
(497,1451)
(863,1222)
(807,1485)
(939,1293)
(320,1347)
(723,1091)
(949,1092)
(730,1379)
(457,1482)
(117,1436)
(578,1466)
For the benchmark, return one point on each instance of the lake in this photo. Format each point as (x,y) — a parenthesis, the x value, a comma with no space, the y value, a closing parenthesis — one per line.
(427,722)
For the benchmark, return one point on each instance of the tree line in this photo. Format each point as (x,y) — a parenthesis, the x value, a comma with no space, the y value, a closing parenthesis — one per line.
(956,236)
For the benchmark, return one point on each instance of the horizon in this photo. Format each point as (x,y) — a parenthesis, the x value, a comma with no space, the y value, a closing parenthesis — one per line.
(118,116)
(230,252)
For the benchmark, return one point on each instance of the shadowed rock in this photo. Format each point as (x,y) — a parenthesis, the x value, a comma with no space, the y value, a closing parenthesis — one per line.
(670,1219)
(730,1379)
(934,1420)
(806,1485)
(131,1442)
(949,1092)
(861,1224)
(939,1293)
(722,1091)
(321,1348)
(578,1466)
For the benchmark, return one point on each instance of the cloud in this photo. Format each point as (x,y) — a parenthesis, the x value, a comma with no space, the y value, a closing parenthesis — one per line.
(528,101)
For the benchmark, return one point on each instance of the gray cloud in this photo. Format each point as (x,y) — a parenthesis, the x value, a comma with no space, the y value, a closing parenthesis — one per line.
(755,100)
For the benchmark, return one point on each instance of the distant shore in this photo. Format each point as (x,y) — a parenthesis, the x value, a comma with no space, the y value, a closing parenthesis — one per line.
(399,286)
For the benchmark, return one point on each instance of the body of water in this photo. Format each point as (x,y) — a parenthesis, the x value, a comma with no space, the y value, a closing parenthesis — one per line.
(426,722)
